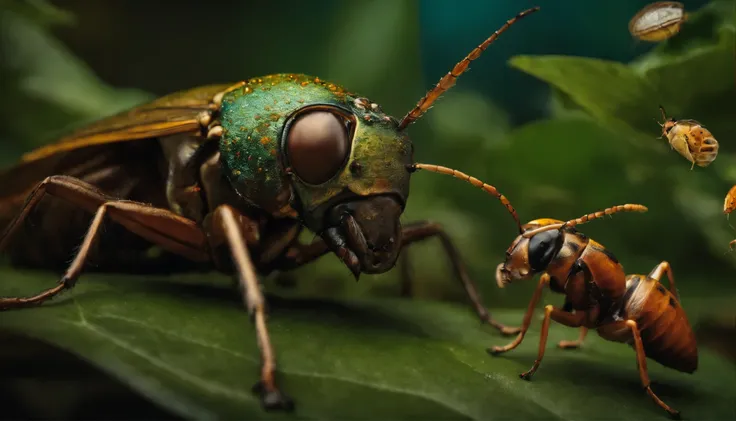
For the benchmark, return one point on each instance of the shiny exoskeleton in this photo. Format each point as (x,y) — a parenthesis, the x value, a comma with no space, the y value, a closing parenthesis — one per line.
(226,177)
(633,309)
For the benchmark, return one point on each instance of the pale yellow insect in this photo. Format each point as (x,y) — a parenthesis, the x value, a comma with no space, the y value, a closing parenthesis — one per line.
(690,139)
(658,21)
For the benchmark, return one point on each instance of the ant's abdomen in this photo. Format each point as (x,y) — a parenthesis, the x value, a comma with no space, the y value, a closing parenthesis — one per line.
(665,331)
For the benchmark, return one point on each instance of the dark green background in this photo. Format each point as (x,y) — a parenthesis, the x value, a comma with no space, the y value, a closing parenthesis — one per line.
(576,137)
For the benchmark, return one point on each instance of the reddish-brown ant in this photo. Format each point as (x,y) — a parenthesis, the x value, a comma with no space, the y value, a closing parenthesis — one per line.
(633,309)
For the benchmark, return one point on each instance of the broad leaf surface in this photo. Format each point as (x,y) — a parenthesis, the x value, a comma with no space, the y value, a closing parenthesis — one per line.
(188,346)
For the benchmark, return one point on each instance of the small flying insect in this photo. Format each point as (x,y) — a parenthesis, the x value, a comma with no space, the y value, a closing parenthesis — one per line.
(690,139)
(658,21)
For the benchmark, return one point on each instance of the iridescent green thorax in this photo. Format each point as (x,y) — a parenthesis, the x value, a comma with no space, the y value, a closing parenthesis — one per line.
(253,119)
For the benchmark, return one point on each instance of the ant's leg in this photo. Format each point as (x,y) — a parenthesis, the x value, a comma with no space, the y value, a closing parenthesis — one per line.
(560,316)
(660,270)
(543,281)
(641,360)
(576,343)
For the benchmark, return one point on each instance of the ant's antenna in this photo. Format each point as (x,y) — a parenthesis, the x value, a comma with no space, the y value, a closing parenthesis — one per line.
(589,217)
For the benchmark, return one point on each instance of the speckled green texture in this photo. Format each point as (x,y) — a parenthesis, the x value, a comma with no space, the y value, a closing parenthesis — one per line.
(253,119)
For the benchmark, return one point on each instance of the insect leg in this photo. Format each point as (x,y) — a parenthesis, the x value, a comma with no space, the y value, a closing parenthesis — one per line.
(226,225)
(160,226)
(576,343)
(543,281)
(407,286)
(422,230)
(660,270)
(300,254)
(560,316)
(641,360)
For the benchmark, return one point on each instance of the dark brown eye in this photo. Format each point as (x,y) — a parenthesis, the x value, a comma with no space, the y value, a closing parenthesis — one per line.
(317,145)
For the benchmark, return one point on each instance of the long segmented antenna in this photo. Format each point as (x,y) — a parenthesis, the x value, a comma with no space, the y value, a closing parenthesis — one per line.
(589,217)
(474,181)
(449,79)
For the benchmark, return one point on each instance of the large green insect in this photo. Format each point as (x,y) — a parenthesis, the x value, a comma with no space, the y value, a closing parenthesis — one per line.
(227,176)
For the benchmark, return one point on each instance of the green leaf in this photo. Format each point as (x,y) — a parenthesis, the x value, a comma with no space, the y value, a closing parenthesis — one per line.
(672,75)
(39,12)
(610,91)
(676,68)
(187,345)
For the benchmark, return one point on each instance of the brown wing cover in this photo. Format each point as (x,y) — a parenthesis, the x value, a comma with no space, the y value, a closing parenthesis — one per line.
(115,155)
(175,113)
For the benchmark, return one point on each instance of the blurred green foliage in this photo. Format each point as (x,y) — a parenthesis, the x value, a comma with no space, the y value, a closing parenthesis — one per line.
(597,148)
(692,76)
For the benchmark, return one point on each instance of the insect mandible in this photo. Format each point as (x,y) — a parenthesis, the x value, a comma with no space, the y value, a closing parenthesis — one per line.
(226,177)
(690,139)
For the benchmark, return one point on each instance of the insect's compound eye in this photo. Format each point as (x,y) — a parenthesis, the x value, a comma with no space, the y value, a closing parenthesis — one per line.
(317,145)
(543,247)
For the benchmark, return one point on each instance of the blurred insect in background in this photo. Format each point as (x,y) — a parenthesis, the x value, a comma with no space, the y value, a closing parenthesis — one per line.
(729,205)
(226,177)
(690,139)
(658,21)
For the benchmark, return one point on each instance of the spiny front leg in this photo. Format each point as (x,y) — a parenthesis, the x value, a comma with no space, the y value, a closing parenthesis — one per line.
(225,225)
(423,230)
(160,226)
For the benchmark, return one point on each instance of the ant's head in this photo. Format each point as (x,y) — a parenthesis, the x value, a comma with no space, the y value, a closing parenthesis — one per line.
(532,251)
(540,241)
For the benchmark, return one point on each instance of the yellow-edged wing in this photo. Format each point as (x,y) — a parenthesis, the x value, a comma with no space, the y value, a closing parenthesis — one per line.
(78,153)
(175,113)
